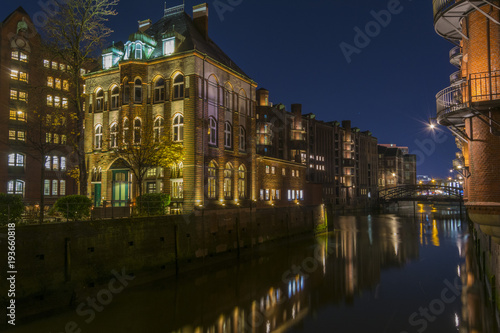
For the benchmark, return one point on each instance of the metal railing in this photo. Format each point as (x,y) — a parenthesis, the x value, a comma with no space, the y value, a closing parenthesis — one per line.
(452,99)
(440,6)
(455,52)
(456,77)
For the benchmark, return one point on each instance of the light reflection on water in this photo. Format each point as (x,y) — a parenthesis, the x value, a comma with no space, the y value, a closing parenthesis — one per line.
(369,275)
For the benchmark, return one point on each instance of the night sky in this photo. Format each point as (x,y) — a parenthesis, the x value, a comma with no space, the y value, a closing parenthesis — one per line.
(292,48)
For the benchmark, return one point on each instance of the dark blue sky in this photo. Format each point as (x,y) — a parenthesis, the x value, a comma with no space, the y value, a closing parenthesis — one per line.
(292,48)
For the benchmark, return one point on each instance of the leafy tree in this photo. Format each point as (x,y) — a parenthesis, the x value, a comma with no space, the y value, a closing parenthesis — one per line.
(11,208)
(74,34)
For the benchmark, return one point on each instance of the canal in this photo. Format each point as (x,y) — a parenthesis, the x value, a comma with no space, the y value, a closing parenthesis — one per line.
(376,273)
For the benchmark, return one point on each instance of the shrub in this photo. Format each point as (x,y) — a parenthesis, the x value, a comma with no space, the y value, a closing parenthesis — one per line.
(11,208)
(153,204)
(74,207)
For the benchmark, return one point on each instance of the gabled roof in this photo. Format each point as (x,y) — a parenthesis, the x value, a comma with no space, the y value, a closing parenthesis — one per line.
(19,9)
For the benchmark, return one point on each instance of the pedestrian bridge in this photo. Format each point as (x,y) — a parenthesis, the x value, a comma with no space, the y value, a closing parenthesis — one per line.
(436,193)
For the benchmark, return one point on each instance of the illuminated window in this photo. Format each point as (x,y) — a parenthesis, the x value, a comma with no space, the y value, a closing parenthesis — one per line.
(138,50)
(65,85)
(56,138)
(50,100)
(23,57)
(63,163)
(63,139)
(243,143)
(55,163)
(159,93)
(14,55)
(57,101)
(138,91)
(23,96)
(113,135)
(242,182)
(99,100)
(212,132)
(151,173)
(55,65)
(46,63)
(228,135)
(266,195)
(57,84)
(168,46)
(50,81)
(13,94)
(228,181)
(107,61)
(179,87)
(268,169)
(16,159)
(23,76)
(273,170)
(65,103)
(15,187)
(17,115)
(98,137)
(158,129)
(115,93)
(178,128)
(137,131)
(62,67)
(177,188)
(283,172)
(54,187)
(14,75)
(62,187)
(46,187)
(48,159)
(212,180)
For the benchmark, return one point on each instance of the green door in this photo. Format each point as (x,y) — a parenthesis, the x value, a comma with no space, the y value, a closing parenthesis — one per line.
(97,195)
(120,188)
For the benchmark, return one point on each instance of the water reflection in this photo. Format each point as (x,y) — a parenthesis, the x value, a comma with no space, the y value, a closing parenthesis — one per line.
(369,275)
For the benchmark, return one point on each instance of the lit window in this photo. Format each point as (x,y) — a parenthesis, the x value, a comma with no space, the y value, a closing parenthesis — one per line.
(55,163)
(62,67)
(46,187)
(23,57)
(261,196)
(57,84)
(16,159)
(12,135)
(15,55)
(15,187)
(267,195)
(151,173)
(62,187)
(137,131)
(115,93)
(293,173)
(63,139)
(17,115)
(243,144)
(242,182)
(168,46)
(301,195)
(107,61)
(57,101)
(46,63)
(14,74)
(273,170)
(23,76)
(278,195)
(56,138)
(179,87)
(178,128)
(54,187)
(113,135)
(13,94)
(55,65)
(177,188)
(159,94)
(50,81)
(23,96)
(228,135)
(283,172)
(50,100)
(65,103)
(228,181)
(65,85)
(47,162)
(138,50)
(63,163)
(21,135)
(212,180)
(98,137)
(138,91)
(212,132)
(158,129)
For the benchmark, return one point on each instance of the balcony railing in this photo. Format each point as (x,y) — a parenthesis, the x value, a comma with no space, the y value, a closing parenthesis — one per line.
(442,5)
(456,56)
(456,101)
(448,15)
(456,78)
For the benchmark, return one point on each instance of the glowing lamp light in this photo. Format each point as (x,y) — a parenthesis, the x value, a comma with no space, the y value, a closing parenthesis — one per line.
(394,175)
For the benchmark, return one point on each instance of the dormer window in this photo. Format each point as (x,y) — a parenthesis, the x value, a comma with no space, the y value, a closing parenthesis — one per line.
(138,50)
(107,61)
(168,46)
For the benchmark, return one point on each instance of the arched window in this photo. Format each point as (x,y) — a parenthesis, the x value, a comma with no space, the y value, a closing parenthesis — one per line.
(228,135)
(228,181)
(115,92)
(243,138)
(138,91)
(113,135)
(126,130)
(159,95)
(98,137)
(63,163)
(228,96)
(15,187)
(212,180)
(126,92)
(242,174)
(138,50)
(158,129)
(99,101)
(212,132)
(16,159)
(181,170)
(179,86)
(137,131)
(178,128)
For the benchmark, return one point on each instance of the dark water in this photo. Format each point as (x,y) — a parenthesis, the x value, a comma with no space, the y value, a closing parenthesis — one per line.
(384,273)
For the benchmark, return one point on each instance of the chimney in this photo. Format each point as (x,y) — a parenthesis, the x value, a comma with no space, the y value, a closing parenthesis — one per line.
(144,25)
(200,19)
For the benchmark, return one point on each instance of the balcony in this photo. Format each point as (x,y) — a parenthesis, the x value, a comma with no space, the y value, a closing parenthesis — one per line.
(456,78)
(448,16)
(456,56)
(461,100)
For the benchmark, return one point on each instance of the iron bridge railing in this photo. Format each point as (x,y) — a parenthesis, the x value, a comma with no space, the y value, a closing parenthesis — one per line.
(421,192)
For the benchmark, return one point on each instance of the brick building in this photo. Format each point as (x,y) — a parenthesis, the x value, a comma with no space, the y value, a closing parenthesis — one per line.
(342,159)
(396,166)
(33,93)
(172,77)
(470,106)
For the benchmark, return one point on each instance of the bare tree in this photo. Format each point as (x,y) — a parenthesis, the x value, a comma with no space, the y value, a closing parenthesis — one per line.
(73,35)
